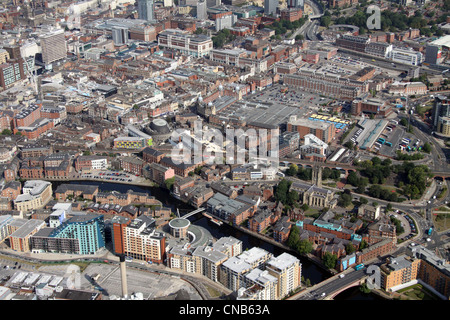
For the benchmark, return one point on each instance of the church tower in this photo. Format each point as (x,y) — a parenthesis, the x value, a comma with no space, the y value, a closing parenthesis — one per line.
(317,175)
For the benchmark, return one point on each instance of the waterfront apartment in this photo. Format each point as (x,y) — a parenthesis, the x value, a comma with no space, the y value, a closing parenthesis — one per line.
(287,270)
(233,271)
(83,234)
(260,285)
(66,190)
(417,265)
(210,261)
(140,240)
(36,194)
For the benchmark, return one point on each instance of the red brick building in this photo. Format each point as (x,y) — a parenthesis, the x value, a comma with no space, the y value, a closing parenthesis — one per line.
(152,155)
(291,14)
(11,190)
(132,165)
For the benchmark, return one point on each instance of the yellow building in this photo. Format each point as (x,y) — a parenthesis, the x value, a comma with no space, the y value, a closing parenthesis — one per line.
(141,241)
(181,258)
(4,55)
(131,143)
(287,270)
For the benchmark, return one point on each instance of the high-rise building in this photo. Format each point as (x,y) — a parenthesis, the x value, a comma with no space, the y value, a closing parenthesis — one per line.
(53,45)
(441,116)
(138,239)
(270,7)
(15,70)
(120,35)
(296,4)
(201,10)
(83,234)
(433,54)
(146,10)
(287,270)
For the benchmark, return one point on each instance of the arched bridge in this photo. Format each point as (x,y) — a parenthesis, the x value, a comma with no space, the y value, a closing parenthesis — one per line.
(301,163)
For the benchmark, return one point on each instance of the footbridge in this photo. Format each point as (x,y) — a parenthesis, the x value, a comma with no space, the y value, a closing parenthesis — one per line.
(187,215)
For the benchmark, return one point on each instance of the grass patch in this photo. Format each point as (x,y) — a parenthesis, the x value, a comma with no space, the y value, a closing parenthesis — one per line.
(417,292)
(311,212)
(441,221)
(214,293)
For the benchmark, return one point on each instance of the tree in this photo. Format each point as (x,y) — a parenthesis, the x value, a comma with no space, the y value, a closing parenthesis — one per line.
(292,197)
(282,191)
(426,147)
(344,200)
(363,244)
(329,260)
(404,122)
(169,183)
(304,247)
(6,132)
(292,170)
(325,21)
(388,207)
(349,248)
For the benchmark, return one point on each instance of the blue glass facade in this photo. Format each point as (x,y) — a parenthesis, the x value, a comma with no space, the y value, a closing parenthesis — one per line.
(89,230)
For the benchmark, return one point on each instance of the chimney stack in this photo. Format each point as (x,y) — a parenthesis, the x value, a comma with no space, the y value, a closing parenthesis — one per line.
(123,273)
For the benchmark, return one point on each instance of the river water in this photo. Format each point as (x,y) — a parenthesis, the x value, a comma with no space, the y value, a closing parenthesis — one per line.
(310,271)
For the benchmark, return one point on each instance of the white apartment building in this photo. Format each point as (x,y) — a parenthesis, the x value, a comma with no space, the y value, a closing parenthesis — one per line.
(53,45)
(99,164)
(185,42)
(287,269)
(36,193)
(406,56)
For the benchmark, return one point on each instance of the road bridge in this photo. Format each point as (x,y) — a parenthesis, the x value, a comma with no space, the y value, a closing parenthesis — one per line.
(331,287)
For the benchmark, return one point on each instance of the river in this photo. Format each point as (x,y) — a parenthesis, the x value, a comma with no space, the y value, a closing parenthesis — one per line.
(310,270)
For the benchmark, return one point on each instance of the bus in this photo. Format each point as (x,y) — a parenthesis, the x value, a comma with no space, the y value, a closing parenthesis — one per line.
(359,266)
(381,140)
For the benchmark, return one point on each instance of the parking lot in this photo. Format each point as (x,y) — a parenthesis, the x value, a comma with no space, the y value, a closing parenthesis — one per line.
(108,176)
(109,282)
(399,140)
(292,96)
(407,223)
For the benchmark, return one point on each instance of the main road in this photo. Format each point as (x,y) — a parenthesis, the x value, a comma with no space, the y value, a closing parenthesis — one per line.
(332,285)
(309,28)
